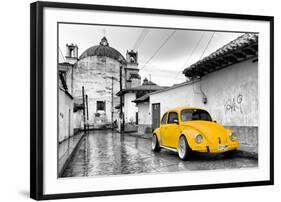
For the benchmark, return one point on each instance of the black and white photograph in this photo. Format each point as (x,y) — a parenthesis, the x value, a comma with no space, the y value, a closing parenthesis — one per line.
(129,100)
(140,100)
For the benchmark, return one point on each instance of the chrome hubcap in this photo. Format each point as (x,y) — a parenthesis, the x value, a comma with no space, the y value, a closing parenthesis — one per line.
(182,147)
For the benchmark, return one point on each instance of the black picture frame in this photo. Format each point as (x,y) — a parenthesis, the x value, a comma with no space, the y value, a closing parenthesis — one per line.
(37,99)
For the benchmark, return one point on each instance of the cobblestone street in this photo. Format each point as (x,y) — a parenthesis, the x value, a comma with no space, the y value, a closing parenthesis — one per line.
(109,153)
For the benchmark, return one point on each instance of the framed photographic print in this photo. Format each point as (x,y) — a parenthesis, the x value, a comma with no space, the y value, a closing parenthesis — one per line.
(134,100)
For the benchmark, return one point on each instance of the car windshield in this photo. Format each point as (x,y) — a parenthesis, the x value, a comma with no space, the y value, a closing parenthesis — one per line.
(195,114)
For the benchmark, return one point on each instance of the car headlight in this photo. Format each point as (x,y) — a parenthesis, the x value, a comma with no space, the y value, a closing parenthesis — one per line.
(198,138)
(233,137)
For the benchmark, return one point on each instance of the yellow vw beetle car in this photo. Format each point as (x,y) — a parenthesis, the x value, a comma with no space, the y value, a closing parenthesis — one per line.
(188,129)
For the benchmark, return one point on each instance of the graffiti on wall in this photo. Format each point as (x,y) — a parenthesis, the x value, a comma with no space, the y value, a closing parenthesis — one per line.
(234,104)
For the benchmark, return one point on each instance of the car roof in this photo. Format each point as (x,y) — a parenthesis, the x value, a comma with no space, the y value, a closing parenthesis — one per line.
(178,109)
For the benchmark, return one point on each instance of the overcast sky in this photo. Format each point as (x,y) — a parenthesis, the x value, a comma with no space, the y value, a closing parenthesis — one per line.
(162,53)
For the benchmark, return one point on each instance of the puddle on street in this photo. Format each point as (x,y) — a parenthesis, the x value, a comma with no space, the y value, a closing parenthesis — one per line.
(109,153)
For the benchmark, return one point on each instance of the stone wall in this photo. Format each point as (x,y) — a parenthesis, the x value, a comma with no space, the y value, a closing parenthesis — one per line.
(247,136)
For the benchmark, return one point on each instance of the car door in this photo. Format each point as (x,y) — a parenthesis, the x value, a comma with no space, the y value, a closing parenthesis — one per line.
(163,129)
(173,130)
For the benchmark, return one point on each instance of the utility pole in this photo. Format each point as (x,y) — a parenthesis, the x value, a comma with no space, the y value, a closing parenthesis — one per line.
(87,113)
(112,125)
(84,116)
(121,103)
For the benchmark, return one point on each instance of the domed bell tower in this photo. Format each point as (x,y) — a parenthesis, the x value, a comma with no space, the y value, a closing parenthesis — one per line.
(132,71)
(71,55)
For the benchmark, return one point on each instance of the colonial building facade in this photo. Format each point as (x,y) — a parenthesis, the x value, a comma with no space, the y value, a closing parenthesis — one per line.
(102,71)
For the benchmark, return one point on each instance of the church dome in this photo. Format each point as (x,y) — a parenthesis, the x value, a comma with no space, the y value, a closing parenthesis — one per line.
(103,49)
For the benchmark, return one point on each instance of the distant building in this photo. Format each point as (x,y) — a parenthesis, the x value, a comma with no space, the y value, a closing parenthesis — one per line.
(225,83)
(130,109)
(144,115)
(103,71)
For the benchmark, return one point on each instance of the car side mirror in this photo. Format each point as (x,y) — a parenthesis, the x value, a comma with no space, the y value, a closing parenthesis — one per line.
(176,121)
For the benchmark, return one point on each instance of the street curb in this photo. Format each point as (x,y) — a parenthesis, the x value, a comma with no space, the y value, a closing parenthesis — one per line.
(247,154)
(70,157)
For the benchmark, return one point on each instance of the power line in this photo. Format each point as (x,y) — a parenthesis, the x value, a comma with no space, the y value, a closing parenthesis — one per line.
(207,45)
(61,55)
(155,53)
(186,62)
(141,38)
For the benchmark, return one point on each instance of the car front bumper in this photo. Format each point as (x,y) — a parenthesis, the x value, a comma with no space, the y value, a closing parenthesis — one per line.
(216,148)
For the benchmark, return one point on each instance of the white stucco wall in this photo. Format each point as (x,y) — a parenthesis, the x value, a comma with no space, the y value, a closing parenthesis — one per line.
(65,116)
(144,114)
(232,95)
(78,122)
(130,107)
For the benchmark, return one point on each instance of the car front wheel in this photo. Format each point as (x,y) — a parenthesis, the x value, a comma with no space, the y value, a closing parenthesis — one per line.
(155,144)
(184,150)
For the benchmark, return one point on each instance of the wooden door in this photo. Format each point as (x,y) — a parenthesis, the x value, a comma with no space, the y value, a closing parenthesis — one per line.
(155,115)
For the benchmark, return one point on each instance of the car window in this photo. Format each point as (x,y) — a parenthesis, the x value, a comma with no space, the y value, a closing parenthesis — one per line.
(164,118)
(195,114)
(186,115)
(172,117)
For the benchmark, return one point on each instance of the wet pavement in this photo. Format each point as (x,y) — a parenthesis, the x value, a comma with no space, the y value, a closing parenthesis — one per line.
(110,153)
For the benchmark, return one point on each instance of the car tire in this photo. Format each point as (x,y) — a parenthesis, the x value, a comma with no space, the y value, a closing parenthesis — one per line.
(155,144)
(184,150)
